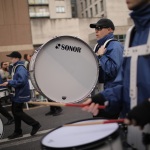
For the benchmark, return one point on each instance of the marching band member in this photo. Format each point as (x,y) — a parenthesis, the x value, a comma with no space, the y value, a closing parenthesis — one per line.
(134,92)
(20,94)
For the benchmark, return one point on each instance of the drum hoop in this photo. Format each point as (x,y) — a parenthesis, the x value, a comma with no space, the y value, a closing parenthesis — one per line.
(3,128)
(54,39)
(96,143)
(3,89)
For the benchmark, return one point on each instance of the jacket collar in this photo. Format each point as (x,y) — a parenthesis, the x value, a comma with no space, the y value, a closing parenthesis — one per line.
(105,38)
(18,62)
(141,17)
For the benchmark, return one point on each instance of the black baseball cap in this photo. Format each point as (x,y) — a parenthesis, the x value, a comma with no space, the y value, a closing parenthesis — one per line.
(14,54)
(103,23)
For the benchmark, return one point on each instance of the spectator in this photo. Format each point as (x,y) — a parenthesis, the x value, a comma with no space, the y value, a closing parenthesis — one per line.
(27,59)
(4,71)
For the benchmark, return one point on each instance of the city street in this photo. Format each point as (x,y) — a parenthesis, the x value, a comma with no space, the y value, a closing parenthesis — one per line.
(27,142)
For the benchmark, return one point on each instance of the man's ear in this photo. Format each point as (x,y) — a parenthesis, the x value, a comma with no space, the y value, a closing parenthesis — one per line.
(110,30)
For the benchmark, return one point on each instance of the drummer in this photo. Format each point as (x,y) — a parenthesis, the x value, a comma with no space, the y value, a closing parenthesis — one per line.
(121,95)
(20,94)
(109,52)
(110,59)
(109,56)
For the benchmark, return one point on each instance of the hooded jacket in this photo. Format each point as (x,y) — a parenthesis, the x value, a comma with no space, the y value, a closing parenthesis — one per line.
(20,84)
(141,19)
(118,96)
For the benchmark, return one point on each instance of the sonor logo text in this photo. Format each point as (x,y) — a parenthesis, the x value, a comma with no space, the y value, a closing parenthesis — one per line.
(68,48)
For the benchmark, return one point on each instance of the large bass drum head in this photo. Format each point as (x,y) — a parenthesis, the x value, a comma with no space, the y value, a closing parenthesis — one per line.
(66,69)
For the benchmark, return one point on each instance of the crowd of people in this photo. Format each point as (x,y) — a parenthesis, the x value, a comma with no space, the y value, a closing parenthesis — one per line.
(125,76)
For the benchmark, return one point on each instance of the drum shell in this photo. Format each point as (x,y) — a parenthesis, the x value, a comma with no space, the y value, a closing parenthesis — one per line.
(4,92)
(112,141)
(135,137)
(31,71)
(62,89)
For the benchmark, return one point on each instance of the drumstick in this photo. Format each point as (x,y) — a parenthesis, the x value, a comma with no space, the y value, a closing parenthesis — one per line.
(62,104)
(97,122)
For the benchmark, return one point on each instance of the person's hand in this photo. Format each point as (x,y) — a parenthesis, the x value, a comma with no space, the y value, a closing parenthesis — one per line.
(94,103)
(9,79)
(92,107)
(4,84)
(139,115)
(101,51)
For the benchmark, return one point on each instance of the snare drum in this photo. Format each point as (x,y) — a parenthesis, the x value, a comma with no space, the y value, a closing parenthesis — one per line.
(4,92)
(87,137)
(1,128)
(65,69)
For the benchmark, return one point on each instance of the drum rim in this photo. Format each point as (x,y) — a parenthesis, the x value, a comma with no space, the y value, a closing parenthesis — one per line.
(3,89)
(3,128)
(54,39)
(99,142)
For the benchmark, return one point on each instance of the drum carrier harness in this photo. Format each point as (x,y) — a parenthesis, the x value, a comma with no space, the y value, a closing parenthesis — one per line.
(101,78)
(134,53)
(12,89)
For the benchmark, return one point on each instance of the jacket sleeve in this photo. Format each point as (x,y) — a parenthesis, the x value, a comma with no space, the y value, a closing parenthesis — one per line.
(112,60)
(20,78)
(114,95)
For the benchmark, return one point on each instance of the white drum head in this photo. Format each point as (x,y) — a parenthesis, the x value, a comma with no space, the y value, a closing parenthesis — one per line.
(65,69)
(74,136)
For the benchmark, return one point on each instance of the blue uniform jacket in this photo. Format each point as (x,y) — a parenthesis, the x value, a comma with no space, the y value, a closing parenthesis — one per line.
(142,26)
(21,84)
(111,61)
(118,96)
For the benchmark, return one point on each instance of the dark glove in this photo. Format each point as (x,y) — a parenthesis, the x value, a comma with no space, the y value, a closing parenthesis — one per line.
(141,114)
(99,99)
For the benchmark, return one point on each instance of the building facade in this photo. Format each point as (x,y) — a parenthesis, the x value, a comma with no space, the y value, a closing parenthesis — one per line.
(15,27)
(112,9)
(27,24)
(51,18)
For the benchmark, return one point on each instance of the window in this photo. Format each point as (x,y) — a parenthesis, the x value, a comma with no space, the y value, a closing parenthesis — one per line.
(91,12)
(102,5)
(90,1)
(40,11)
(38,1)
(86,14)
(120,38)
(96,9)
(60,9)
(85,3)
(81,6)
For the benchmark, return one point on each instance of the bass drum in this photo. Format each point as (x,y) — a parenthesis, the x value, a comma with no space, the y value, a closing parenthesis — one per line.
(65,69)
(84,137)
(1,129)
